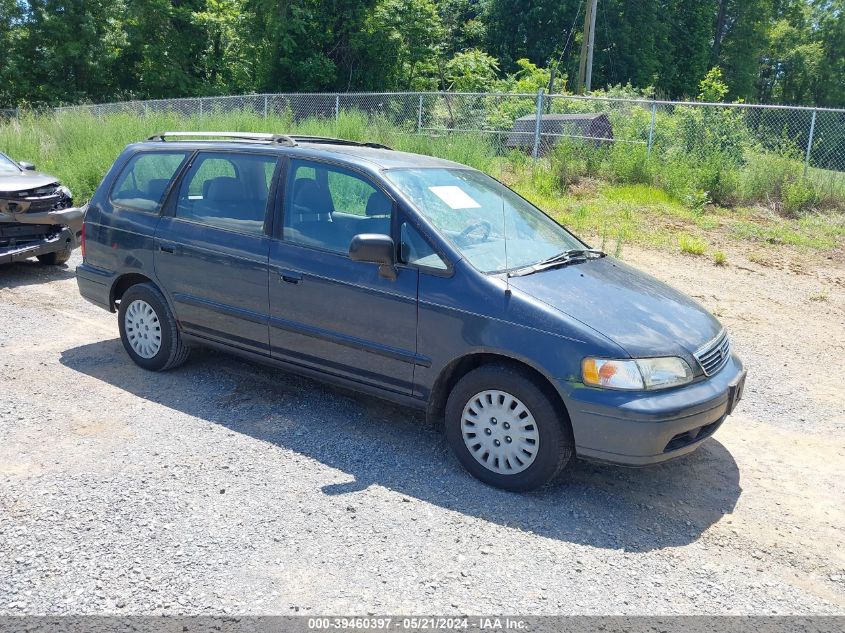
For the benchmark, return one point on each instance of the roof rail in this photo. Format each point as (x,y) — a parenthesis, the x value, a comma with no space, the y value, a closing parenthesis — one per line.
(335,141)
(251,137)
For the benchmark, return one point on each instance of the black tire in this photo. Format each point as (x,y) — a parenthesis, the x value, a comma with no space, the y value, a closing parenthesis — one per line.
(172,352)
(556,446)
(54,259)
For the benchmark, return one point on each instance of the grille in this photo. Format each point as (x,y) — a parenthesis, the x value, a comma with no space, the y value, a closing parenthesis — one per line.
(713,356)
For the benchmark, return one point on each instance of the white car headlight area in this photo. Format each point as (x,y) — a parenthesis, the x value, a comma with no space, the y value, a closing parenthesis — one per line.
(632,374)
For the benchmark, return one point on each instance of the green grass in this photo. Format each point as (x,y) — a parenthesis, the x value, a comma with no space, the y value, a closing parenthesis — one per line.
(692,245)
(612,198)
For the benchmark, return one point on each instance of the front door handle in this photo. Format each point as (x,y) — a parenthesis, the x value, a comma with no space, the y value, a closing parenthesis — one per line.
(166,248)
(290,276)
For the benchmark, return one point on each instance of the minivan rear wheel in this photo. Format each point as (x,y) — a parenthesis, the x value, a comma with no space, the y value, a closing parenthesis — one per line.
(148,330)
(505,430)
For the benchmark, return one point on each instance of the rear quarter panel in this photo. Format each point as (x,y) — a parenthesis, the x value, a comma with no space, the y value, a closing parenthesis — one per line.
(118,240)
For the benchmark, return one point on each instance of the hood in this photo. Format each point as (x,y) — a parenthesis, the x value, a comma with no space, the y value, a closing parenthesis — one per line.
(25,180)
(639,313)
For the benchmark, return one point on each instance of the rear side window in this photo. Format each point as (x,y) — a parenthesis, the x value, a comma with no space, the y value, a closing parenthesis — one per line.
(227,190)
(143,182)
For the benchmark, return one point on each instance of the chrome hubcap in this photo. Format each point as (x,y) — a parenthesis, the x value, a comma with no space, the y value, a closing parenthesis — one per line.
(500,432)
(142,328)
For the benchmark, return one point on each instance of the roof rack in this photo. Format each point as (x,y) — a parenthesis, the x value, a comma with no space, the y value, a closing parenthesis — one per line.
(335,141)
(251,137)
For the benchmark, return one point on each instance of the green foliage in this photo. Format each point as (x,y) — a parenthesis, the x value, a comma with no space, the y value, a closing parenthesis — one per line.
(528,78)
(798,195)
(692,245)
(471,71)
(63,51)
(712,88)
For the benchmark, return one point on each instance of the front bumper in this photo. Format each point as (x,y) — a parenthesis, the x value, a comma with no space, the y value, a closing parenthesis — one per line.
(64,240)
(642,428)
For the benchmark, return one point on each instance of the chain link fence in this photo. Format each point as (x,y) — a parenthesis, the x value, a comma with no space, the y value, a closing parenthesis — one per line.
(537,123)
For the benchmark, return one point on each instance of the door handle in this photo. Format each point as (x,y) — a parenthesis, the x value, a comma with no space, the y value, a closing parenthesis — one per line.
(290,276)
(166,248)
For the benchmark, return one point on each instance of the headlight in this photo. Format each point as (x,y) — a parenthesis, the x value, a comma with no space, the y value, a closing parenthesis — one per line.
(64,191)
(643,373)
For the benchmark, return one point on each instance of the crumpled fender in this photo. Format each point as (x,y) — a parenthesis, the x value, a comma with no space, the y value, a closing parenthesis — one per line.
(71,218)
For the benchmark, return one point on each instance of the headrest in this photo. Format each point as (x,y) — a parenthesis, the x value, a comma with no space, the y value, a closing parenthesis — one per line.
(311,202)
(305,191)
(223,188)
(378,204)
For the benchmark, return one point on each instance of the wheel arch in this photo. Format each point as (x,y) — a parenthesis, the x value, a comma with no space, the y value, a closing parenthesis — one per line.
(460,367)
(125,282)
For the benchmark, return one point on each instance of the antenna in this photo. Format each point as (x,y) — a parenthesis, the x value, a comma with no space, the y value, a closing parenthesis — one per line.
(505,236)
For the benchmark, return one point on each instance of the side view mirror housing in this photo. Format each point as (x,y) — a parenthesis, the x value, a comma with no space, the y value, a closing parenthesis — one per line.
(375,249)
(26,165)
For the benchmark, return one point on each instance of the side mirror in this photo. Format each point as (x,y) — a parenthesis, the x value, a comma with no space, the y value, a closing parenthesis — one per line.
(26,165)
(375,249)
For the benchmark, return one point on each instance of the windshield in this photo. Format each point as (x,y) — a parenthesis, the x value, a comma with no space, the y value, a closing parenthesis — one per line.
(478,213)
(7,165)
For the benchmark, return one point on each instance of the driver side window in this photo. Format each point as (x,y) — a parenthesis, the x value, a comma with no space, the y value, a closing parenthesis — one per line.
(326,206)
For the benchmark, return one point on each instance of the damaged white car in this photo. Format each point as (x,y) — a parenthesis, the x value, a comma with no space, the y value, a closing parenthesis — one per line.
(37,216)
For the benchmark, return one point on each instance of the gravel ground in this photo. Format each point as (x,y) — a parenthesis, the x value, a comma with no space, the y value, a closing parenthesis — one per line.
(224,487)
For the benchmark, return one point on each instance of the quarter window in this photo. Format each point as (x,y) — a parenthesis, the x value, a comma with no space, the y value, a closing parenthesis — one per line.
(144,180)
(327,206)
(227,190)
(415,249)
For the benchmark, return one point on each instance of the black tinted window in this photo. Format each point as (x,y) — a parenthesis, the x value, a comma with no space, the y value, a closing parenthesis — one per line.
(327,206)
(227,190)
(142,183)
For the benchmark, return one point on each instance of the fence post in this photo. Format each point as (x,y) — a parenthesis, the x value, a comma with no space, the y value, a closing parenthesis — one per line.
(419,116)
(651,130)
(265,106)
(336,107)
(810,143)
(200,106)
(537,121)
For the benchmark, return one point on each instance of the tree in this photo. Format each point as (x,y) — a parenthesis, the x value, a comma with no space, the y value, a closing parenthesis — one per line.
(410,32)
(528,29)
(471,71)
(463,25)
(739,43)
(686,54)
(61,51)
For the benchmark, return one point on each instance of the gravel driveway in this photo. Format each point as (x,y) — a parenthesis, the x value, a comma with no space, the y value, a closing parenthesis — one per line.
(224,487)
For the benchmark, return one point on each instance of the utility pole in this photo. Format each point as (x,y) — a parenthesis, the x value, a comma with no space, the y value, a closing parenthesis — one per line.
(585,68)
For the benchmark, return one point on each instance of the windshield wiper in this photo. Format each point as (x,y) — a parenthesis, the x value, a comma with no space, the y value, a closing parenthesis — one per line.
(561,259)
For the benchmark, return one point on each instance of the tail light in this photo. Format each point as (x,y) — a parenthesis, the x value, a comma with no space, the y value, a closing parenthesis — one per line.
(82,240)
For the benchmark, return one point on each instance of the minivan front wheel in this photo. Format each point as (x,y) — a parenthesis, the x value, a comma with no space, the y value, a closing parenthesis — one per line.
(505,430)
(148,330)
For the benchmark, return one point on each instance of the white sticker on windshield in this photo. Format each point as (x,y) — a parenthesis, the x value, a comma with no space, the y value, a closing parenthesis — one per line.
(455,197)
